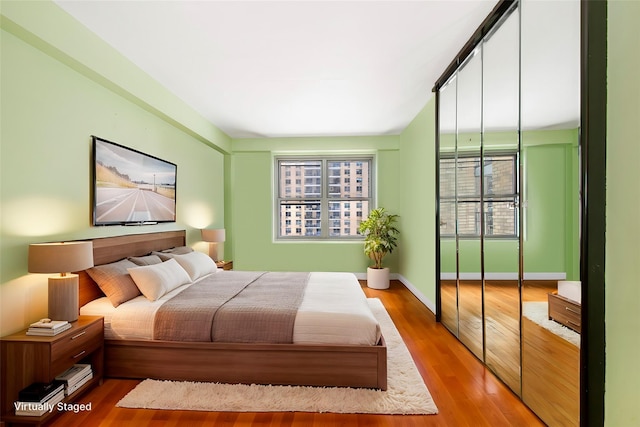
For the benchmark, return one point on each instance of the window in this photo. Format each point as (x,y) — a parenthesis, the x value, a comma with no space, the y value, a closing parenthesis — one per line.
(326,202)
(461,179)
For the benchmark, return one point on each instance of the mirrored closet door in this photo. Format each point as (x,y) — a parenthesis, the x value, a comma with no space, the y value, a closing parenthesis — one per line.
(509,203)
(551,210)
(447,206)
(500,208)
(468,190)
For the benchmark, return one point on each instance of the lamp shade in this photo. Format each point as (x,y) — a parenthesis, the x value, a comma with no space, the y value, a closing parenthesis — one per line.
(214,236)
(62,257)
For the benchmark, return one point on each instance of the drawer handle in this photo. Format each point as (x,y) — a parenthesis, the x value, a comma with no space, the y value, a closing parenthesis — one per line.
(572,310)
(573,323)
(79,354)
(79,335)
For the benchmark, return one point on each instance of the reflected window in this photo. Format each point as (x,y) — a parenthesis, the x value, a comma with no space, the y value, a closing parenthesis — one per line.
(460,180)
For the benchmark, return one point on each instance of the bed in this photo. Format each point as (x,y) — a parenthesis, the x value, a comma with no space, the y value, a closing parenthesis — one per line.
(306,363)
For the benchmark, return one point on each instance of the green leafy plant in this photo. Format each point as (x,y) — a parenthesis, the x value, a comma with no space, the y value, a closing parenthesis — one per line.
(380,235)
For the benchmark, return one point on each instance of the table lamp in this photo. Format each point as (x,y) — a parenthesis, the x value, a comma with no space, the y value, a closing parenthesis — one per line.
(213,237)
(61,258)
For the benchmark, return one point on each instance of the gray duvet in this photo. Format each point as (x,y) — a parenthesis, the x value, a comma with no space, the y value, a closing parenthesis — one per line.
(234,306)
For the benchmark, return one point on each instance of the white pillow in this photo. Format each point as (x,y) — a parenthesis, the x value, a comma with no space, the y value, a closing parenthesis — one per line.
(196,264)
(158,279)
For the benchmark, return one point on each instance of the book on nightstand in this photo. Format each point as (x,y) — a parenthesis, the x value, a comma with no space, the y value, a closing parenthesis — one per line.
(48,329)
(40,392)
(70,389)
(49,324)
(35,409)
(75,377)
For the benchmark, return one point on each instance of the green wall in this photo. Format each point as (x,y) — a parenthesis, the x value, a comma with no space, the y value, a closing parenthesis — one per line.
(551,238)
(252,204)
(418,205)
(551,216)
(622,270)
(51,103)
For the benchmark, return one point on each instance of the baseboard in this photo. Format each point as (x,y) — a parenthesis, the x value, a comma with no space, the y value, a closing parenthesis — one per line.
(396,276)
(545,276)
(415,291)
(448,276)
(505,276)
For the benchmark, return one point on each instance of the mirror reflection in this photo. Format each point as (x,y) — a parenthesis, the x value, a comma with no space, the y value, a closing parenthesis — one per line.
(467,166)
(551,202)
(447,191)
(501,100)
(510,205)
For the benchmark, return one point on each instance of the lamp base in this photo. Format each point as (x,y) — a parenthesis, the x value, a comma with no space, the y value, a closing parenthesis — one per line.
(213,251)
(63,298)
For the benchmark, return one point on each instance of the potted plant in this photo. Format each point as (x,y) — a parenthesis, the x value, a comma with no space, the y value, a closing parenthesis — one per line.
(380,238)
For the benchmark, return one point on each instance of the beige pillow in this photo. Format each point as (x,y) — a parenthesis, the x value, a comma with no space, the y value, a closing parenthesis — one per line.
(170,253)
(145,260)
(156,280)
(114,280)
(196,264)
(179,250)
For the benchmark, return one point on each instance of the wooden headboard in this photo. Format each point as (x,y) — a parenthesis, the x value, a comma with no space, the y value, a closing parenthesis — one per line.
(110,249)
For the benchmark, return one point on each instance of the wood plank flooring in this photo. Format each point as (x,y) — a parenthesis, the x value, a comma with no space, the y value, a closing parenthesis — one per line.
(466,393)
(550,365)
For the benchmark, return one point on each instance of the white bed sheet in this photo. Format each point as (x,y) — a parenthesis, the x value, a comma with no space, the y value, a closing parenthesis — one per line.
(334,310)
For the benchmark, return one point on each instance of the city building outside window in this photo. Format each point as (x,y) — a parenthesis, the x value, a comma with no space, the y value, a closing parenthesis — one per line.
(323,198)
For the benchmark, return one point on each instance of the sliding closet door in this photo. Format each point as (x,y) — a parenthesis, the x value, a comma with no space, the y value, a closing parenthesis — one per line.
(468,204)
(447,207)
(510,202)
(550,135)
(501,243)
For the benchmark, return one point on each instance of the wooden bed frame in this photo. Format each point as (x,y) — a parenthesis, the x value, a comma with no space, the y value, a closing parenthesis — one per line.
(284,364)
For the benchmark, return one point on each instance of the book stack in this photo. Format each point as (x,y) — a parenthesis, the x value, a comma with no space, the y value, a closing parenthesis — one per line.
(75,377)
(39,398)
(48,328)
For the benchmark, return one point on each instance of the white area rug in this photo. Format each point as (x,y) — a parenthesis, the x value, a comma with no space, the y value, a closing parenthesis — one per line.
(538,312)
(406,392)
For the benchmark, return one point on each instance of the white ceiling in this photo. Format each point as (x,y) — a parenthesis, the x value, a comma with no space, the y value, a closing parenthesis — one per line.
(291,68)
(329,68)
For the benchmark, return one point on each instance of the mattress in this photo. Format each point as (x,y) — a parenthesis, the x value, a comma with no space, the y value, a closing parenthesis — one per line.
(334,310)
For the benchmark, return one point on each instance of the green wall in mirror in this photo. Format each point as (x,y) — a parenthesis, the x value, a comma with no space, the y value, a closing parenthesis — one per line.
(551,218)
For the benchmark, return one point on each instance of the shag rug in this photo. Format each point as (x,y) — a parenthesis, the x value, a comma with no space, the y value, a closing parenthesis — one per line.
(538,312)
(406,392)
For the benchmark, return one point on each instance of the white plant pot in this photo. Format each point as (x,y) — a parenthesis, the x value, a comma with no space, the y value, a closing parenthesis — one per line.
(378,278)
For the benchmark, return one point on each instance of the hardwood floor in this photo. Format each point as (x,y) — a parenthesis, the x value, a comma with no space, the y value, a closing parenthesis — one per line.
(550,365)
(466,393)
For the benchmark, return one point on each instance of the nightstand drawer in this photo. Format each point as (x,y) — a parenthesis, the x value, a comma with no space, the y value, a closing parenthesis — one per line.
(565,311)
(74,347)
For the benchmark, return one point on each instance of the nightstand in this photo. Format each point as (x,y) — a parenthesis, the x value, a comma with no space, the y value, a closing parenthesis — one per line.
(225,265)
(565,311)
(27,359)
